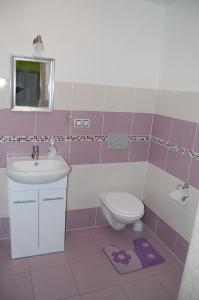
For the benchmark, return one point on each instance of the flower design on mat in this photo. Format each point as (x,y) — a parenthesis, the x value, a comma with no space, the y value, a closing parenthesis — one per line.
(121,257)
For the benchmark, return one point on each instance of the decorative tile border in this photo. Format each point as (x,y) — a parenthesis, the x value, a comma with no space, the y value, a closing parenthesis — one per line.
(139,138)
(100,138)
(72,138)
(174,147)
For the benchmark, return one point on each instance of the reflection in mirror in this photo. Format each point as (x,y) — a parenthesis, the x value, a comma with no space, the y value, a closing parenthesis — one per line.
(32,83)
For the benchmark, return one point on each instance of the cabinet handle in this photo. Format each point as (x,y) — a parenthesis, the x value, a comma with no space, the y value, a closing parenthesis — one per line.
(53,199)
(24,201)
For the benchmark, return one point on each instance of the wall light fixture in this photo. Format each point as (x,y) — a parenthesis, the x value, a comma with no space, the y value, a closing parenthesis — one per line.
(38,43)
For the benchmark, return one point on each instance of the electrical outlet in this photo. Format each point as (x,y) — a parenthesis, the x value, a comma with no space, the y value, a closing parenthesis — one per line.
(86,123)
(81,123)
(77,122)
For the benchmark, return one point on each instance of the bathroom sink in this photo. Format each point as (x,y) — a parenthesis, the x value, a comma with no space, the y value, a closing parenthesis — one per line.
(42,170)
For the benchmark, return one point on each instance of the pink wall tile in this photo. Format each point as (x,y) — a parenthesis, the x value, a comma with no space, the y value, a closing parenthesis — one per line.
(194,173)
(53,123)
(161,127)
(142,123)
(196,146)
(113,155)
(150,218)
(157,155)
(61,147)
(183,133)
(166,234)
(96,119)
(181,248)
(139,151)
(178,165)
(5,228)
(3,155)
(16,123)
(19,148)
(117,122)
(88,93)
(80,218)
(84,152)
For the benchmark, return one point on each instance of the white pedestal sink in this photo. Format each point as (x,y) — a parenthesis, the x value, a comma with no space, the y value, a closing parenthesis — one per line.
(42,170)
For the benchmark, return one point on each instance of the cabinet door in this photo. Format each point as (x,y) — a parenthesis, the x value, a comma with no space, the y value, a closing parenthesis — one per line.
(52,205)
(24,223)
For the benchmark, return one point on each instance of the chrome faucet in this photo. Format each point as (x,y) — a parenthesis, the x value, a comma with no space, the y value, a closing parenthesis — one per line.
(35,152)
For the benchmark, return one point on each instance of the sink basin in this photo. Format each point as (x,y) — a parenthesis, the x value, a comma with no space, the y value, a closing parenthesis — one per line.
(42,170)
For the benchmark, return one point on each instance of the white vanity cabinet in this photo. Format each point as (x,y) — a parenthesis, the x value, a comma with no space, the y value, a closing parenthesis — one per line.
(24,223)
(37,214)
(51,220)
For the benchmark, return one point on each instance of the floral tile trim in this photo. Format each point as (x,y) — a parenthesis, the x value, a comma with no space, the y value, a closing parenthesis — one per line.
(174,147)
(100,138)
(83,138)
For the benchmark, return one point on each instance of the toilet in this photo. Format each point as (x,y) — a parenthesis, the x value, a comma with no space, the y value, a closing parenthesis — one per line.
(121,208)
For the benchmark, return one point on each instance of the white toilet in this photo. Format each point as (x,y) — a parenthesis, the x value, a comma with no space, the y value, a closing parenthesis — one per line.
(121,208)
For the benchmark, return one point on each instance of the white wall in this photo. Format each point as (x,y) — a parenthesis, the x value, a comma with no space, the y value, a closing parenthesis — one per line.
(180,64)
(93,41)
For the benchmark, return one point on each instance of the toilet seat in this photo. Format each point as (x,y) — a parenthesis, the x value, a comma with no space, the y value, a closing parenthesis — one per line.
(124,204)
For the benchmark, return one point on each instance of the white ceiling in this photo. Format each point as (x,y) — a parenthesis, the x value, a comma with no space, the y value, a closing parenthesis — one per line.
(164,2)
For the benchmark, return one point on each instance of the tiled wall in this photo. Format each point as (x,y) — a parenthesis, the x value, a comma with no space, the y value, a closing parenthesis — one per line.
(111,109)
(172,157)
(173,160)
(20,130)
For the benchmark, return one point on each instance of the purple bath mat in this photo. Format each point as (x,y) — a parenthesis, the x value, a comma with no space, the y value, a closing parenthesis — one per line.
(142,256)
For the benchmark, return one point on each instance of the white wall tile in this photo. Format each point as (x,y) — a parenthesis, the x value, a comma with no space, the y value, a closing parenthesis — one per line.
(170,183)
(152,198)
(178,104)
(84,176)
(5,95)
(120,99)
(165,103)
(186,106)
(145,100)
(153,187)
(193,202)
(186,225)
(63,95)
(86,182)
(154,177)
(112,174)
(81,198)
(170,211)
(88,97)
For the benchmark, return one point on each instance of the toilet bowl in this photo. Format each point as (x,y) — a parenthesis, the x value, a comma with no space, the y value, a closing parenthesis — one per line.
(121,208)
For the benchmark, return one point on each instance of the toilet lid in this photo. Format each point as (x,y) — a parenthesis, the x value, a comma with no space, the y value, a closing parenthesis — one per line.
(124,203)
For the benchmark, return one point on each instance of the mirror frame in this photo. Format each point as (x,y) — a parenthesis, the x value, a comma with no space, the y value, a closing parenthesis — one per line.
(51,61)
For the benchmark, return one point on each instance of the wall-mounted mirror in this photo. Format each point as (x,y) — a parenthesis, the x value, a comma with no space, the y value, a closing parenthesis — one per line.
(32,83)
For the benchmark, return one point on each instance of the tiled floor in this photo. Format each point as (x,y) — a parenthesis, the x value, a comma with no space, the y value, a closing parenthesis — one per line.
(82,272)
